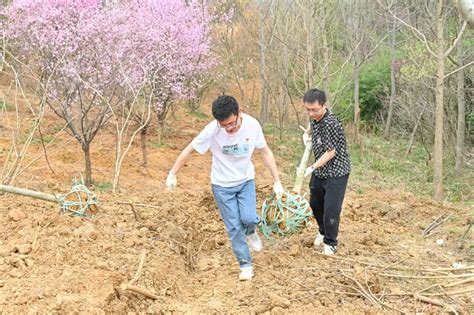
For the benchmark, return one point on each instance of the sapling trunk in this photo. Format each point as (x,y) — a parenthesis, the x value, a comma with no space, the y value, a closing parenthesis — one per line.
(301,169)
(27,192)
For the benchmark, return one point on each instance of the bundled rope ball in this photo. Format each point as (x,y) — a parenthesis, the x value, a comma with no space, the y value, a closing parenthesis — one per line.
(292,212)
(285,216)
(79,201)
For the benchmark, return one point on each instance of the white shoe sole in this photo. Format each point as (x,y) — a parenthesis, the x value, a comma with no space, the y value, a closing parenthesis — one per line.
(246,278)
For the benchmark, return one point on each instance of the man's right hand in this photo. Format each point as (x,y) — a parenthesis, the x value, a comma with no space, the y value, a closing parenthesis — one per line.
(171,181)
(306,138)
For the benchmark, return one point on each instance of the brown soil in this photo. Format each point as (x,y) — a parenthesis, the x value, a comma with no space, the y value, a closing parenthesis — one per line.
(55,263)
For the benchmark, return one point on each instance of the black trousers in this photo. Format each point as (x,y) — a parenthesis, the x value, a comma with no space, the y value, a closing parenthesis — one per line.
(326,200)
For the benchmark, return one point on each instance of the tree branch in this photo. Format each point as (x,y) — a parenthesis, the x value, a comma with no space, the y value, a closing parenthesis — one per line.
(455,42)
(459,69)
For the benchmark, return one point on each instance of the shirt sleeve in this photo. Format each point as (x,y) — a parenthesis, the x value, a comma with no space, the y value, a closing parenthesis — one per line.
(330,136)
(202,142)
(260,141)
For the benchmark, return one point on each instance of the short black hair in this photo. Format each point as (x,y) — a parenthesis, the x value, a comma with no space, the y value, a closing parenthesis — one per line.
(224,106)
(314,95)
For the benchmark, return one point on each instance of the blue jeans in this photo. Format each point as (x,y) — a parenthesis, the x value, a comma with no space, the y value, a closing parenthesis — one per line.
(238,208)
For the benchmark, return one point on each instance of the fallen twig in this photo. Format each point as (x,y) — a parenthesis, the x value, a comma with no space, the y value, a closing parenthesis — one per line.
(451,293)
(427,277)
(130,287)
(140,267)
(428,228)
(363,291)
(435,302)
(141,291)
(393,266)
(349,260)
(138,204)
(434,225)
(467,231)
(35,239)
(453,284)
(137,215)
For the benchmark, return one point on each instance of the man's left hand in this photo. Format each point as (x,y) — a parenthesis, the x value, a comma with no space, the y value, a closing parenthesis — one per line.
(309,171)
(278,189)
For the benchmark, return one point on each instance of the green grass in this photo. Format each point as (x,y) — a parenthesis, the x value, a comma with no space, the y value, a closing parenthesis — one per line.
(269,129)
(199,115)
(5,106)
(160,145)
(385,164)
(46,138)
(102,186)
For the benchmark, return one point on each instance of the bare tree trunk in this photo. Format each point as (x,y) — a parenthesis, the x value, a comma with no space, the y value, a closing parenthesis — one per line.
(310,52)
(356,102)
(327,75)
(118,152)
(143,134)
(159,130)
(263,74)
(461,113)
(393,83)
(439,113)
(327,60)
(87,160)
(283,91)
(415,128)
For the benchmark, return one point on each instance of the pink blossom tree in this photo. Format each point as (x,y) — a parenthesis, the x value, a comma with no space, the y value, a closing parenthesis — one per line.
(100,56)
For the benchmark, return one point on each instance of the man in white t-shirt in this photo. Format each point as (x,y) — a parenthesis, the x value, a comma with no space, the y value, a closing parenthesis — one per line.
(232,137)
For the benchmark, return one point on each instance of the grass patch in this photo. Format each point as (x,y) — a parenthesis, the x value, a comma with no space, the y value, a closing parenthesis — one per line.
(160,145)
(5,106)
(385,164)
(200,115)
(102,186)
(46,138)
(269,129)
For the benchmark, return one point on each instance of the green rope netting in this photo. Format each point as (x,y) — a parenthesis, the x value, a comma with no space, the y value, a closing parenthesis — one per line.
(79,201)
(285,216)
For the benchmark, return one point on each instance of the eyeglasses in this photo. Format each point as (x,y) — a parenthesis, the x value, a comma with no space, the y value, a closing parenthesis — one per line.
(229,125)
(314,110)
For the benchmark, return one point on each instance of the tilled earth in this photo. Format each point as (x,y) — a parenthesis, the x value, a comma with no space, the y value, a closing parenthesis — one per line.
(55,263)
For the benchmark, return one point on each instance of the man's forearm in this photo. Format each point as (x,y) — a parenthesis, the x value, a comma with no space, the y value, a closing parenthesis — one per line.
(183,157)
(326,157)
(269,161)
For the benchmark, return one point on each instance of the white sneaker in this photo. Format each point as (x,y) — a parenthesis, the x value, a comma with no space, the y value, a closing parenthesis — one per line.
(246,273)
(255,242)
(318,241)
(329,250)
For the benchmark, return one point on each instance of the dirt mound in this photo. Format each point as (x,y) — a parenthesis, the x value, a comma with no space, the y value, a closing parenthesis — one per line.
(57,263)
(54,263)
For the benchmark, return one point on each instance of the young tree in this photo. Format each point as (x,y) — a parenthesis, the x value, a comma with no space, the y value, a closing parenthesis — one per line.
(439,51)
(94,53)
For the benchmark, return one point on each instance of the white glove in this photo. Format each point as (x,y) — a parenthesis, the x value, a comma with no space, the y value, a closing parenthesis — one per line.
(306,138)
(278,189)
(171,181)
(309,171)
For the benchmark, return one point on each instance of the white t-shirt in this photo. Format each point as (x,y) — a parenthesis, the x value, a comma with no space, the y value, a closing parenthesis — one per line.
(231,153)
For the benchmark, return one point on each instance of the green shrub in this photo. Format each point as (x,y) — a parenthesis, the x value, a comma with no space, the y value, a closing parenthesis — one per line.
(374,84)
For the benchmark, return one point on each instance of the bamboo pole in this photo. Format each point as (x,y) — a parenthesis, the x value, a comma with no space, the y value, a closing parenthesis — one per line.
(27,192)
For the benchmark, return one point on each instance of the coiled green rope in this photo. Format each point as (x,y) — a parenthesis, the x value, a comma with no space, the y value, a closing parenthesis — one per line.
(284,216)
(79,201)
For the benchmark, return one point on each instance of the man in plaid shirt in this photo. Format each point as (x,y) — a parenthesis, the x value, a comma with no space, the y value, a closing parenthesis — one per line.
(330,172)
